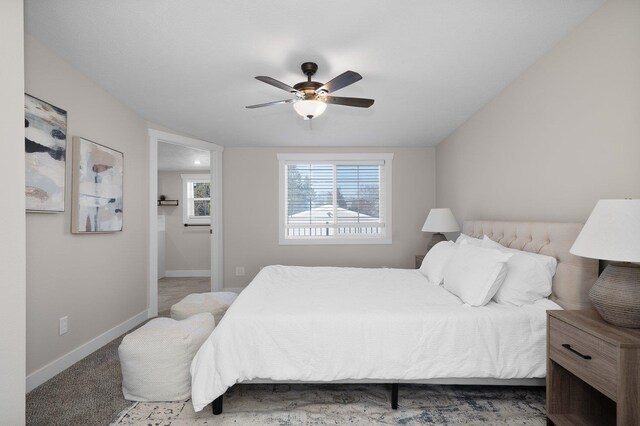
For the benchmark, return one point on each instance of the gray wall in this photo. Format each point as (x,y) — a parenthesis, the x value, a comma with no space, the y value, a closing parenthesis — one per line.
(251,214)
(563,135)
(12,248)
(98,281)
(186,248)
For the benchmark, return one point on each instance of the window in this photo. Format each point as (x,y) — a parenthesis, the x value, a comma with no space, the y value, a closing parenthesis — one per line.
(335,198)
(196,199)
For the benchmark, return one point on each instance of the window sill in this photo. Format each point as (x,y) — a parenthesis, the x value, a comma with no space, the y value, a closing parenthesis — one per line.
(333,241)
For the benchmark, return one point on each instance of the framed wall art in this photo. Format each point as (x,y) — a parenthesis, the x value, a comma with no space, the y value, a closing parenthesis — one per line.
(98,173)
(45,146)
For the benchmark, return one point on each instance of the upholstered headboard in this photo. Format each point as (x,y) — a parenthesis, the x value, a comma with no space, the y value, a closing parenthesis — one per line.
(574,276)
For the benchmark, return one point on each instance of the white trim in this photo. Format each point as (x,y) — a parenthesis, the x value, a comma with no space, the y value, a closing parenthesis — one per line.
(153,227)
(386,158)
(236,290)
(183,273)
(156,136)
(57,366)
(217,238)
(282,196)
(159,135)
(388,206)
(336,156)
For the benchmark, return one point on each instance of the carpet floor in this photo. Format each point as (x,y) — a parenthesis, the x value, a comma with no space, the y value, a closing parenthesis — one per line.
(87,393)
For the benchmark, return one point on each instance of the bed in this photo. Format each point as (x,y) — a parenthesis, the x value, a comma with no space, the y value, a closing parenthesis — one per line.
(345,325)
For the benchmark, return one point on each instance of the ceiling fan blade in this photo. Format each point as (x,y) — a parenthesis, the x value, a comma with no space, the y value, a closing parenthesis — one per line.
(276,83)
(343,80)
(286,101)
(353,102)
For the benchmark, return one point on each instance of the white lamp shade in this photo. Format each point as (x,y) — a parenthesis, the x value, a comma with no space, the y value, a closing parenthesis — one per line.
(440,220)
(612,232)
(309,108)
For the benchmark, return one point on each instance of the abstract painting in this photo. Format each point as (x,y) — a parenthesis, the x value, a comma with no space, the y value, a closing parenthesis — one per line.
(45,146)
(98,174)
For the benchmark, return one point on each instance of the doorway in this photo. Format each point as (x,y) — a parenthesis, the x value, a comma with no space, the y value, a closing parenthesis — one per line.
(185,221)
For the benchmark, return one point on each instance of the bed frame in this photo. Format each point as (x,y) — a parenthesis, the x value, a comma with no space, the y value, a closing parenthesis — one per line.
(571,283)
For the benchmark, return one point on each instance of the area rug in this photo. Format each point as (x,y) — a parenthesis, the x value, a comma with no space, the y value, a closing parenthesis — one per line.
(286,405)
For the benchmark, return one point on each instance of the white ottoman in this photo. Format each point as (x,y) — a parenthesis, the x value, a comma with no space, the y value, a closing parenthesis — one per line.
(216,303)
(155,358)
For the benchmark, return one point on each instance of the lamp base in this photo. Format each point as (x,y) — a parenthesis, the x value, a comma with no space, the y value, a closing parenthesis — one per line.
(616,295)
(438,237)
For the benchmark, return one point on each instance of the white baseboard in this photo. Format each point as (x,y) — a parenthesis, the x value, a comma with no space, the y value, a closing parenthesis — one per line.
(236,290)
(187,273)
(45,373)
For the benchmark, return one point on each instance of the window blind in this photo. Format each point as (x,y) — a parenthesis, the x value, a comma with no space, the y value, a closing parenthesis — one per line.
(335,199)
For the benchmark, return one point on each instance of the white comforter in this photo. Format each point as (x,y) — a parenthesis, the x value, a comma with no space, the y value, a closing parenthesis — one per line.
(324,324)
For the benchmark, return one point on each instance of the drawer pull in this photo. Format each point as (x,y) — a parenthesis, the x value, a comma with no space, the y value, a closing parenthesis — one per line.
(568,346)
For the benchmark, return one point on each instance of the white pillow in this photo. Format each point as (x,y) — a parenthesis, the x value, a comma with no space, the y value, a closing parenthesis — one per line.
(475,274)
(529,277)
(470,240)
(436,259)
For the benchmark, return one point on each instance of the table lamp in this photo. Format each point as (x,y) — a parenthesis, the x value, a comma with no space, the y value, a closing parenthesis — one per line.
(439,221)
(612,233)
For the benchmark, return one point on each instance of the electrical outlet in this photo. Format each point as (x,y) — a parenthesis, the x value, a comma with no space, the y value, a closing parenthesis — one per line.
(64,325)
(239,271)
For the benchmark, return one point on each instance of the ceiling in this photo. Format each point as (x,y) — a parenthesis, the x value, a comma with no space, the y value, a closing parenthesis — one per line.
(179,158)
(429,64)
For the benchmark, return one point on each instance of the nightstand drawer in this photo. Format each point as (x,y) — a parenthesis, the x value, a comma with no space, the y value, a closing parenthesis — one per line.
(593,359)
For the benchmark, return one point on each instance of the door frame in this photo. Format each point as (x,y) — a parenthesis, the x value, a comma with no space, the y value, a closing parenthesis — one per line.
(216,152)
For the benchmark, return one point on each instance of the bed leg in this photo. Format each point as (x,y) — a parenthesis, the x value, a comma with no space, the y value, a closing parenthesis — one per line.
(216,405)
(394,396)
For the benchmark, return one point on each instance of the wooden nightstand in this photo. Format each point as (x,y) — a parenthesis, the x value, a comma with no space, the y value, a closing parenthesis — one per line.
(593,370)
(419,259)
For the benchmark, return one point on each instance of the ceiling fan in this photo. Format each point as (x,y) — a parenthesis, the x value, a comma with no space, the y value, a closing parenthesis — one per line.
(311,97)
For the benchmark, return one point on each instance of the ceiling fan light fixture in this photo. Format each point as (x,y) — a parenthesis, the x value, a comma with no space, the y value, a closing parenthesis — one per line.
(309,108)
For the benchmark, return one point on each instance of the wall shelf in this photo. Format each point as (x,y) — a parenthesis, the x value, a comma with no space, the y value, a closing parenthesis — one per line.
(167,203)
